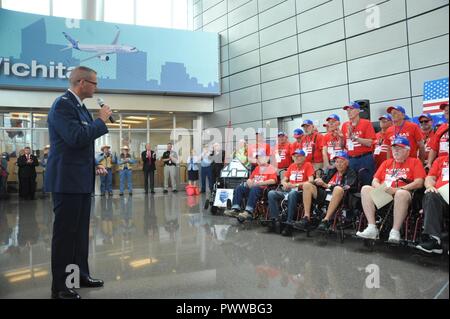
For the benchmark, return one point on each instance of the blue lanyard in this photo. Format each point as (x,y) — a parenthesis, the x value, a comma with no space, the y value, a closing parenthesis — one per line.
(401,128)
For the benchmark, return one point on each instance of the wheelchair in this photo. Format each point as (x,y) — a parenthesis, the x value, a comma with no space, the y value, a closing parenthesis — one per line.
(344,218)
(384,220)
(231,176)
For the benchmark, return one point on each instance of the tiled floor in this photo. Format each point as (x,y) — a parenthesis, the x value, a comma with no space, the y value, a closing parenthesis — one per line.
(166,246)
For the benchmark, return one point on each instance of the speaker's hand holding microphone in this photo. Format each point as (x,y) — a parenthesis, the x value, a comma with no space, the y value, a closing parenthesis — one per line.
(105,113)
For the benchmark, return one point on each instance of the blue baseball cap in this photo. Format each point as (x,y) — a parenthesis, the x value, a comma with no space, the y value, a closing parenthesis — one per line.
(333,117)
(426,115)
(299,152)
(307,122)
(386,117)
(281,133)
(401,141)
(353,105)
(341,154)
(397,107)
(440,122)
(298,132)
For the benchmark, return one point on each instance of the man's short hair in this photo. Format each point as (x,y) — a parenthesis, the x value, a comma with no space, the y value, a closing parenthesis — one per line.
(80,73)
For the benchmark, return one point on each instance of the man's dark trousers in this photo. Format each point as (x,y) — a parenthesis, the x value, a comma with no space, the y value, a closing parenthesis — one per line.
(70,243)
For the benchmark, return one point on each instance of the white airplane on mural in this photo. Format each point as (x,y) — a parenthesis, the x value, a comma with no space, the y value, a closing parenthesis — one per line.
(102,51)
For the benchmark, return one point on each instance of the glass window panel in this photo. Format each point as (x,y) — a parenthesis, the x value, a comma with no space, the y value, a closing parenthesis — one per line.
(15,119)
(40,120)
(69,9)
(120,11)
(155,13)
(40,139)
(185,122)
(134,121)
(30,6)
(161,121)
(112,139)
(13,141)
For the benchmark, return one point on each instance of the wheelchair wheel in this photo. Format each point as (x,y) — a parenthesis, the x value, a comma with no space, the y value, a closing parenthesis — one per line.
(213,210)
(206,206)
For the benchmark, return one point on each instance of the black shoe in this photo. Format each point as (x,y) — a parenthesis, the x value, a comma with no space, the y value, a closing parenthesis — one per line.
(65,294)
(304,223)
(110,194)
(153,192)
(102,194)
(121,194)
(89,282)
(175,191)
(287,230)
(324,225)
(430,245)
(130,194)
(165,191)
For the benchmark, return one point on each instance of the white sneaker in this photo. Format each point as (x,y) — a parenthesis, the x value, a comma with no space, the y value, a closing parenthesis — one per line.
(371,232)
(394,236)
(245,215)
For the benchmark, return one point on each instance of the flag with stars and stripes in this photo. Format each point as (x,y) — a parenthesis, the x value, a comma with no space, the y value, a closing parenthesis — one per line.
(434,94)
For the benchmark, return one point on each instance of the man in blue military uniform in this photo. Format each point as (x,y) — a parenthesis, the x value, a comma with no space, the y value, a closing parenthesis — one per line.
(70,175)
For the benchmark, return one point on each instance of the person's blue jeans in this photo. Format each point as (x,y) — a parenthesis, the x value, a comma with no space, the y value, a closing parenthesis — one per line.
(106,182)
(366,162)
(274,203)
(206,173)
(126,173)
(252,195)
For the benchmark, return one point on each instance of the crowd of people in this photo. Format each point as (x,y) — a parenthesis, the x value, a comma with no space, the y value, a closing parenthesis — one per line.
(401,158)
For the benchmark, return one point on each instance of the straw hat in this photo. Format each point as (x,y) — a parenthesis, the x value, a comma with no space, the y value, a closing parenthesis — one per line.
(104,146)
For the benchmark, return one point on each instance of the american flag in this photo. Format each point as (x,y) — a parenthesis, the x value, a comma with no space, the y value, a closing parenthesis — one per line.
(434,94)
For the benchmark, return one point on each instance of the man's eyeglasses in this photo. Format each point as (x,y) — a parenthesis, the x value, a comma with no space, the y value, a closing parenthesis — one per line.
(423,122)
(92,82)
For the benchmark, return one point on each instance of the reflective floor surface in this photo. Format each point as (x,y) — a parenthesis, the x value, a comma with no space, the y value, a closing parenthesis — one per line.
(167,246)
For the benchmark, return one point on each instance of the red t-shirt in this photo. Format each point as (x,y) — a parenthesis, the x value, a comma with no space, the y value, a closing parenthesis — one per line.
(264,173)
(363,129)
(253,149)
(381,149)
(409,130)
(299,174)
(440,171)
(427,139)
(332,144)
(439,143)
(336,179)
(312,145)
(284,158)
(390,172)
(296,146)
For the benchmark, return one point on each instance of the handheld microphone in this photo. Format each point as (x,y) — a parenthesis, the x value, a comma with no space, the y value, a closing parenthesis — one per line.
(100,102)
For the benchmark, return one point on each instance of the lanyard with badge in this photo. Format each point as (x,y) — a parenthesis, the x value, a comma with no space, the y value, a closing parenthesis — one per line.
(378,147)
(445,173)
(443,143)
(389,179)
(350,145)
(396,134)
